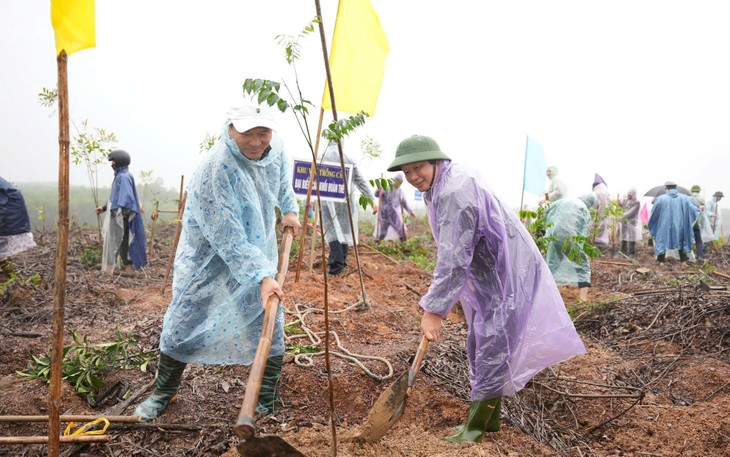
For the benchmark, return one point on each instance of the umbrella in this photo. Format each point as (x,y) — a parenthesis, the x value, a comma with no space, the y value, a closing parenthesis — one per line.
(659,190)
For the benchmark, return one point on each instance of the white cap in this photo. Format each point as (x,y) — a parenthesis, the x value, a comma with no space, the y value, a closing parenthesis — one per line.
(248,116)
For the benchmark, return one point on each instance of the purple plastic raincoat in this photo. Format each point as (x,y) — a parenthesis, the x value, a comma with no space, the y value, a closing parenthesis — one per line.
(517,320)
(392,204)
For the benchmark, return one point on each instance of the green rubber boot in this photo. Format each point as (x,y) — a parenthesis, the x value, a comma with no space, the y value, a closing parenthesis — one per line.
(169,374)
(483,417)
(494,424)
(269,394)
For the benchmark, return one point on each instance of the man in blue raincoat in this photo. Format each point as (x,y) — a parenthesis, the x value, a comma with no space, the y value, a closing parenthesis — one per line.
(517,321)
(671,221)
(227,258)
(124,235)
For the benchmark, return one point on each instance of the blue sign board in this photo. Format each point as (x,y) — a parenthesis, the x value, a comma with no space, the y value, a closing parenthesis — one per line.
(331,181)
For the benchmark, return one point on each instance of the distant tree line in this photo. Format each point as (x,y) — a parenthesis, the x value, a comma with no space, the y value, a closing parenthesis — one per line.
(41,199)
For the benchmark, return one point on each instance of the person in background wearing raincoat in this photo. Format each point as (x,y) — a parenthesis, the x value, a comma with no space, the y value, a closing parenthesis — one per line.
(336,218)
(568,218)
(602,222)
(15,234)
(392,204)
(124,235)
(556,187)
(630,225)
(701,228)
(517,321)
(227,258)
(715,214)
(671,221)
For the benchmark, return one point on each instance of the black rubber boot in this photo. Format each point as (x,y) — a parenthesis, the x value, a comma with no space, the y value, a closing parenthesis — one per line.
(269,394)
(632,248)
(169,374)
(624,247)
(483,417)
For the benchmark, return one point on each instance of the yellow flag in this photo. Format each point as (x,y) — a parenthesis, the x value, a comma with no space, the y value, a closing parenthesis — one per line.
(74,24)
(357,59)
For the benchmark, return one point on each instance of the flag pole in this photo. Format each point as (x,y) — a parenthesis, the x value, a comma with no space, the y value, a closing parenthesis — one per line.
(524,174)
(59,296)
(365,301)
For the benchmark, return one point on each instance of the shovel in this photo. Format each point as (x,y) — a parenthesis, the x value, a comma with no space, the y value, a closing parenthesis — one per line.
(245,428)
(392,402)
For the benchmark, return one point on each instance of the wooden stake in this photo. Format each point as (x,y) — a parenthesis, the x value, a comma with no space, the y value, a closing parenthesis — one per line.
(70,418)
(178,230)
(155,215)
(722,275)
(61,439)
(313,242)
(313,168)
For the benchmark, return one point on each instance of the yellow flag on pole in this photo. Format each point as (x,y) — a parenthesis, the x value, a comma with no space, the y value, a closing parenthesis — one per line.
(357,58)
(74,23)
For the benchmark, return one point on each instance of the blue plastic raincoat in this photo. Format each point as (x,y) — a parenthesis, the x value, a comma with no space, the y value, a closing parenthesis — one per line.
(703,220)
(517,322)
(123,196)
(227,247)
(556,187)
(15,234)
(714,215)
(335,220)
(671,221)
(569,217)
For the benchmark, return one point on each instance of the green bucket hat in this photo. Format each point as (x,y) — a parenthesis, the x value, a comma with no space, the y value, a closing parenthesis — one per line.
(696,188)
(417,148)
(718,194)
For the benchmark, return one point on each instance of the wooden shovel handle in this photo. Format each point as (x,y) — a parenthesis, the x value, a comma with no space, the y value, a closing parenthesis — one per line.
(416,365)
(245,425)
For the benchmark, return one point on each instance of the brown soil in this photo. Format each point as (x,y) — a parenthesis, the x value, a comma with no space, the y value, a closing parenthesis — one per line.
(655,381)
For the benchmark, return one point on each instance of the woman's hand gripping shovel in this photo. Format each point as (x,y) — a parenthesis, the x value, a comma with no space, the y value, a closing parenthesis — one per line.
(392,402)
(245,428)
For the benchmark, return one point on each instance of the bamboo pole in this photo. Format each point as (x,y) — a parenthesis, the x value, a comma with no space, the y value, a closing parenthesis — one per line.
(58,439)
(59,297)
(70,418)
(170,261)
(155,215)
(314,238)
(720,274)
(312,170)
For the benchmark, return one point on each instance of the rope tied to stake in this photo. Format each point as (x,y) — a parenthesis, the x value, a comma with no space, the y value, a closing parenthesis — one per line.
(88,428)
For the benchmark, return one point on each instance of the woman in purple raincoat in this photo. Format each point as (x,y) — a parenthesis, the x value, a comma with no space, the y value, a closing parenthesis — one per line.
(390,217)
(517,321)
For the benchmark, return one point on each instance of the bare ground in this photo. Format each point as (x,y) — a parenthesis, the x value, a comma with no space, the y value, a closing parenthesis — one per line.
(655,381)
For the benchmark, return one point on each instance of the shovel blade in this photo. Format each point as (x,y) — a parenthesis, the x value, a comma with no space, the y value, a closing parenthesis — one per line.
(267,446)
(386,411)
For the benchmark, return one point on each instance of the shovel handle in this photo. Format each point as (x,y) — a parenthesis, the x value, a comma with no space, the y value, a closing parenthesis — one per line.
(245,425)
(422,346)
